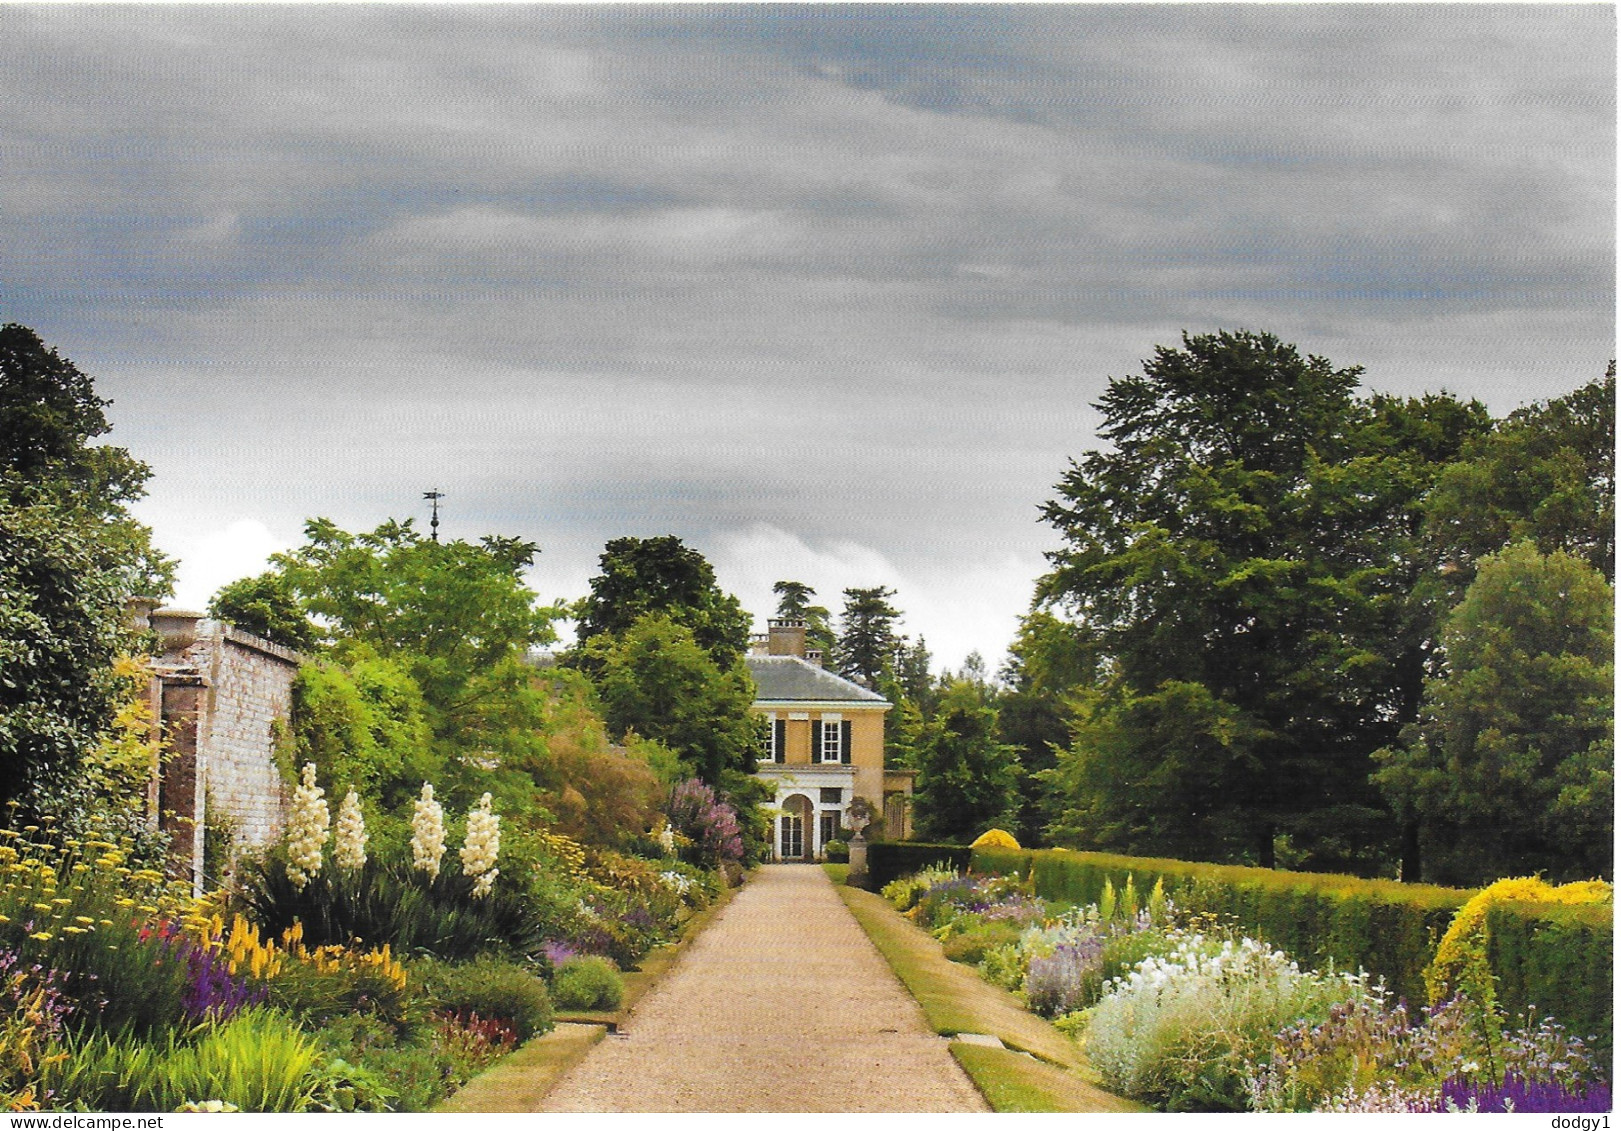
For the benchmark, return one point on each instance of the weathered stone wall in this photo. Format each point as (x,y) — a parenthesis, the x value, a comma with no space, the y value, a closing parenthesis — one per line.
(251,693)
(224,693)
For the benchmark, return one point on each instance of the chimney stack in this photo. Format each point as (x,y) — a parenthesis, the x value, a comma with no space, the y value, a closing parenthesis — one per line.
(787,638)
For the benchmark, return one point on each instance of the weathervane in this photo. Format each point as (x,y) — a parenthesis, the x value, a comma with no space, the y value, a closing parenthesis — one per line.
(434,496)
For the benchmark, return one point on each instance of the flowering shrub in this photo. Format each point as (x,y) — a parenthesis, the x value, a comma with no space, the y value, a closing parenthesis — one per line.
(1185,1028)
(32,1017)
(708,822)
(80,908)
(1516,1093)
(905,891)
(1369,1046)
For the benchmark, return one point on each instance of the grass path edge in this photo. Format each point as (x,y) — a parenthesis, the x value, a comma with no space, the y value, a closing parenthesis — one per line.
(1039,1069)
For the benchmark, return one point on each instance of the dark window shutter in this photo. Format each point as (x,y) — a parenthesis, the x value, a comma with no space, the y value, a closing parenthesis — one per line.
(780,741)
(816,740)
(844,742)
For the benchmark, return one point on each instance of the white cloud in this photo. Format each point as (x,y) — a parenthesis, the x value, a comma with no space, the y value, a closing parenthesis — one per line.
(217,557)
(966,609)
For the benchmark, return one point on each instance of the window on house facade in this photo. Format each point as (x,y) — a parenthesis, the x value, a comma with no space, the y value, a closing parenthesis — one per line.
(830,826)
(832,795)
(832,732)
(768,739)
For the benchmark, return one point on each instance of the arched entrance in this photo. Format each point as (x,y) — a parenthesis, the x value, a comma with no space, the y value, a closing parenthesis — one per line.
(795,829)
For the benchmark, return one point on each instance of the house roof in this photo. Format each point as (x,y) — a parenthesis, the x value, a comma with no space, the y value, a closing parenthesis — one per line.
(784,679)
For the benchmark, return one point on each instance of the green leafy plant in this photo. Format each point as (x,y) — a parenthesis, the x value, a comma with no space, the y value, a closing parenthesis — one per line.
(489,987)
(587,982)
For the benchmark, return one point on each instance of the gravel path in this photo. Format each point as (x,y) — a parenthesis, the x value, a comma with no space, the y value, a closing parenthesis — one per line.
(781,1005)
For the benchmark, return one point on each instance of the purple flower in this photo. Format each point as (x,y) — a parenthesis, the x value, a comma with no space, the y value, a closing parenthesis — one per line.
(556,952)
(1518,1094)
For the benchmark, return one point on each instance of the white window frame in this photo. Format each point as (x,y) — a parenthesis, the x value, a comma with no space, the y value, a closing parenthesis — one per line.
(769,754)
(832,739)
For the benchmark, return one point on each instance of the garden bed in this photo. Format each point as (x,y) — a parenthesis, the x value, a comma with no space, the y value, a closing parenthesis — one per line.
(1040,1069)
(1180,1008)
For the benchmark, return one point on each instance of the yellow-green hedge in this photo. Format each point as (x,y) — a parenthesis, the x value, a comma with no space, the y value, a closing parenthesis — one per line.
(1557,958)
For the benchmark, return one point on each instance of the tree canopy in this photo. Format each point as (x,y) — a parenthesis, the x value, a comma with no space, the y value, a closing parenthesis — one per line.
(867,643)
(654,680)
(794,603)
(662,575)
(1232,559)
(70,554)
(1510,769)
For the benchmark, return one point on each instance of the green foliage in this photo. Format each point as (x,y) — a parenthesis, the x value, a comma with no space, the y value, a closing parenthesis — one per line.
(266,606)
(49,413)
(645,576)
(836,852)
(1545,474)
(1558,961)
(1157,770)
(411,1071)
(1387,928)
(258,1061)
(59,634)
(364,727)
(1510,769)
(655,679)
(793,603)
(587,982)
(69,555)
(1249,543)
(968,781)
(974,943)
(868,644)
(494,989)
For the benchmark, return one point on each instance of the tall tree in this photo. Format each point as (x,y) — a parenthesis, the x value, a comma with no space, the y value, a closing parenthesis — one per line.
(266,606)
(967,780)
(70,553)
(662,575)
(1049,663)
(656,681)
(868,642)
(1510,770)
(1233,545)
(794,603)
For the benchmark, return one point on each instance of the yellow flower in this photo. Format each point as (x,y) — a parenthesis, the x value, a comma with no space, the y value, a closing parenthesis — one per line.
(42,936)
(85,919)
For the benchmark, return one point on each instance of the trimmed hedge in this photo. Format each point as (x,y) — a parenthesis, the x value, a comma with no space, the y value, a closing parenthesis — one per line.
(1557,958)
(891,859)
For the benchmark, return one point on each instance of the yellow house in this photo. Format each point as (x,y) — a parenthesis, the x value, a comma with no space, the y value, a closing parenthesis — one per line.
(823,747)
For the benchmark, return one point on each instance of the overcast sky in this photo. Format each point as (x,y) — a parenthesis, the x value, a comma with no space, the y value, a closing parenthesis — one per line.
(827,292)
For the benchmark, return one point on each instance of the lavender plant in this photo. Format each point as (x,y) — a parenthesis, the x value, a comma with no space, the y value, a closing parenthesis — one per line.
(1518,1094)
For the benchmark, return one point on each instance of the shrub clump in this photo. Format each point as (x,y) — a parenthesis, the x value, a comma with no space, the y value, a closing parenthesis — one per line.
(493,989)
(587,982)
